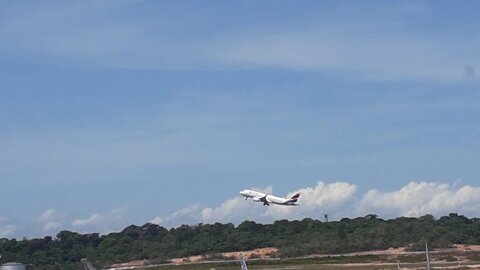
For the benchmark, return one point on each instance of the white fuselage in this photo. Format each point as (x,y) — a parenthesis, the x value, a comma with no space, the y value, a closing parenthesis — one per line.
(267,198)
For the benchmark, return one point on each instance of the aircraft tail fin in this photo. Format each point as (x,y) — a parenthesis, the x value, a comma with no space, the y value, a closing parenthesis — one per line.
(294,198)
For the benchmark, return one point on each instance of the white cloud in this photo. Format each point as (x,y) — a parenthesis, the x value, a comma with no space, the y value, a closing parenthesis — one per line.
(314,201)
(107,39)
(101,223)
(63,33)
(416,199)
(182,216)
(235,210)
(232,210)
(48,215)
(158,220)
(51,226)
(93,220)
(354,50)
(51,220)
(339,199)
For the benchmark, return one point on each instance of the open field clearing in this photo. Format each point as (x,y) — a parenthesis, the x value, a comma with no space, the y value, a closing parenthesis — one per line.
(456,257)
(352,266)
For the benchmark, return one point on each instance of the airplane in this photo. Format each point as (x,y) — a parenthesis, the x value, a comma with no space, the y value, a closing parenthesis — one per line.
(267,199)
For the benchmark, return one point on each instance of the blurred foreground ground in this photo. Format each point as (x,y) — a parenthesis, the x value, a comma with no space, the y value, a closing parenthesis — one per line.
(456,257)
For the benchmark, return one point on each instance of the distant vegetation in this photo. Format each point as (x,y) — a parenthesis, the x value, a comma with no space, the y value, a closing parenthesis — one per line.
(292,238)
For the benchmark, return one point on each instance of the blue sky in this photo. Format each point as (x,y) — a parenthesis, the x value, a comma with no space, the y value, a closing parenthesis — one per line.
(123,112)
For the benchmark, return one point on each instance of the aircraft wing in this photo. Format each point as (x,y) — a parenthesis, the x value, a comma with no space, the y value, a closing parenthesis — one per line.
(261,199)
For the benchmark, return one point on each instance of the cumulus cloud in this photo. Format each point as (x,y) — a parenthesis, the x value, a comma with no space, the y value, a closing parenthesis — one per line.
(416,199)
(232,210)
(47,215)
(158,220)
(50,220)
(332,198)
(235,210)
(94,219)
(102,223)
(51,226)
(184,215)
(340,199)
(313,202)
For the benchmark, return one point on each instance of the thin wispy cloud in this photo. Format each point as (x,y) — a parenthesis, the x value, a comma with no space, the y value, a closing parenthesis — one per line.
(226,129)
(154,102)
(182,216)
(95,34)
(356,52)
(101,223)
(93,220)
(51,221)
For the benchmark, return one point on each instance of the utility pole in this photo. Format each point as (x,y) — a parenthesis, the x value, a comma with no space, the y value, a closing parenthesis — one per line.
(427,256)
(87,265)
(243,263)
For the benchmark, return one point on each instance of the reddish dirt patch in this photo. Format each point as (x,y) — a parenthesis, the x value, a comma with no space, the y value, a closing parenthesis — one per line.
(132,264)
(255,253)
(467,247)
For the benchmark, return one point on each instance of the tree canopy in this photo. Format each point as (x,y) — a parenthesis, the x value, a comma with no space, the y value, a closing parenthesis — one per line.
(292,238)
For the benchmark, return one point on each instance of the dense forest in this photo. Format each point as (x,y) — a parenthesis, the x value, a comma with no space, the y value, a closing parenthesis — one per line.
(292,238)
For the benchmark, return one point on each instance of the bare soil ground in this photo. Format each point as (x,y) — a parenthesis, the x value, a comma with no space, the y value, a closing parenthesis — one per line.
(460,252)
(402,251)
(260,253)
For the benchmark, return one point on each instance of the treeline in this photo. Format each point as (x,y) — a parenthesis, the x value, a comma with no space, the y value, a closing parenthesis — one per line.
(292,238)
